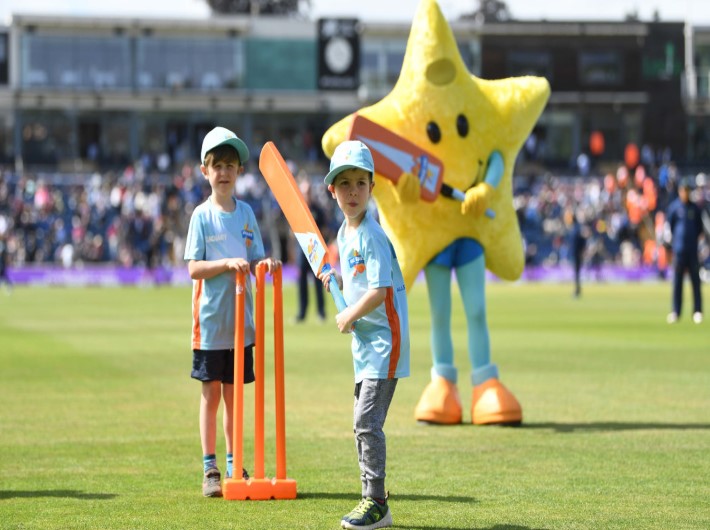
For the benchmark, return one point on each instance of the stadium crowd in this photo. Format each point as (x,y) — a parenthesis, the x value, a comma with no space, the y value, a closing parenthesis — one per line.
(139,218)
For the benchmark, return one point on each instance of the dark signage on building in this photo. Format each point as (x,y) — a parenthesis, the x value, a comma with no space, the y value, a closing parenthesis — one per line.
(338,54)
(4,59)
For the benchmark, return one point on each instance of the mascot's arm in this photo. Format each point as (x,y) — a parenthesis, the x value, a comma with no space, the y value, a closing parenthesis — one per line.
(479,196)
(407,188)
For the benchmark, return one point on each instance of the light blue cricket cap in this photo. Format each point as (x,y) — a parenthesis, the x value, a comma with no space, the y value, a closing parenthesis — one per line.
(221,136)
(349,155)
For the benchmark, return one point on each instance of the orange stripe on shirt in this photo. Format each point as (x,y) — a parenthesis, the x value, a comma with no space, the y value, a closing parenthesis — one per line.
(196,331)
(393,319)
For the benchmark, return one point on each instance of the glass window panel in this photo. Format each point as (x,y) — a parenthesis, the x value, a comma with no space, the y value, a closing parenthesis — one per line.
(117,138)
(381,62)
(168,62)
(521,63)
(75,61)
(471,55)
(47,137)
(394,65)
(601,68)
(369,67)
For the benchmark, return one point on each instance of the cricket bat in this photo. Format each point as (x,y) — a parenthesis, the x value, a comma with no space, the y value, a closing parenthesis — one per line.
(298,215)
(394,155)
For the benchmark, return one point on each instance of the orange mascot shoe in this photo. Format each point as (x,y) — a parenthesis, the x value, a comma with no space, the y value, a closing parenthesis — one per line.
(493,404)
(440,403)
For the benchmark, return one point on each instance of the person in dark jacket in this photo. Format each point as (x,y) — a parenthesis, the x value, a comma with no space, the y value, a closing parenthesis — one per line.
(686,227)
(305,274)
(578,242)
(4,261)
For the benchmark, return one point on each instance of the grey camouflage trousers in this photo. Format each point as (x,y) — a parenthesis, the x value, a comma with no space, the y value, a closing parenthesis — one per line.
(372,401)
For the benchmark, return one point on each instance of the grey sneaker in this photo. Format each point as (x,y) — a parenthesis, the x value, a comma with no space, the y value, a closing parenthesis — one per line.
(368,515)
(211,486)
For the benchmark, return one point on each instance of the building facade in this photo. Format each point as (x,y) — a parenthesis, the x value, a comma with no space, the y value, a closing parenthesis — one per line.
(79,94)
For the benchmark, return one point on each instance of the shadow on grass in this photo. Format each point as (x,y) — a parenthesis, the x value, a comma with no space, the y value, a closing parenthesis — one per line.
(395,497)
(67,494)
(416,497)
(494,527)
(610,426)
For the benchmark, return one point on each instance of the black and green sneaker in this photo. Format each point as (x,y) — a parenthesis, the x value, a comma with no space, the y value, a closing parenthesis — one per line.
(368,515)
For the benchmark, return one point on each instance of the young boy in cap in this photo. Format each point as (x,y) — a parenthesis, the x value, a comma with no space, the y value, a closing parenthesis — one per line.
(376,315)
(222,238)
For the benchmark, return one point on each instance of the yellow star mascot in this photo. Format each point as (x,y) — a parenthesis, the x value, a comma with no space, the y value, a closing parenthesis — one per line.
(476,128)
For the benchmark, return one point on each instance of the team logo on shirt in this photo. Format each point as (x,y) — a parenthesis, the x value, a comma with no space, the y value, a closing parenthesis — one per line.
(357,263)
(248,235)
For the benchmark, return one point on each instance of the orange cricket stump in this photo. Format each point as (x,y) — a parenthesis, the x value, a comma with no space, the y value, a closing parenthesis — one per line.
(258,487)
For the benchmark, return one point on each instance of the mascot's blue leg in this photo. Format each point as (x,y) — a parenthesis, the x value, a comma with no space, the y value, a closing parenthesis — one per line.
(472,285)
(492,402)
(440,402)
(438,280)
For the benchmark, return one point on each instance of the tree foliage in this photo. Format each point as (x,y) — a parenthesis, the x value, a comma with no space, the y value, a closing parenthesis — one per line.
(256,7)
(490,11)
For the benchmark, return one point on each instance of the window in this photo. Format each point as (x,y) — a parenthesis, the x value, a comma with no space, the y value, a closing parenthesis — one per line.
(75,61)
(180,63)
(47,137)
(522,63)
(600,68)
(471,54)
(381,62)
(4,59)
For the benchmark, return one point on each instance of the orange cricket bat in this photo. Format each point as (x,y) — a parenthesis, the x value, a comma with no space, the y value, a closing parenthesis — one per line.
(298,215)
(394,155)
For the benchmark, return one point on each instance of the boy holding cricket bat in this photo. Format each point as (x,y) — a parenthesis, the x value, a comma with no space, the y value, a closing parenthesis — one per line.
(223,238)
(376,315)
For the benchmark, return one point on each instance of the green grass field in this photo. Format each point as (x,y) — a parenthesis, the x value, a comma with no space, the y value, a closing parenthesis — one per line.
(98,421)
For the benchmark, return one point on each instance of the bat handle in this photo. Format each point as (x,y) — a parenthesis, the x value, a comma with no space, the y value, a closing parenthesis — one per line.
(337,295)
(453,193)
(335,289)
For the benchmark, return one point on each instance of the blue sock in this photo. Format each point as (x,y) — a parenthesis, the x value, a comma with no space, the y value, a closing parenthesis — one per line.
(209,461)
(230,464)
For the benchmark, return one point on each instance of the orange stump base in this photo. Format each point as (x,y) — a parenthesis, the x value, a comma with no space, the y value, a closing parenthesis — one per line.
(259,489)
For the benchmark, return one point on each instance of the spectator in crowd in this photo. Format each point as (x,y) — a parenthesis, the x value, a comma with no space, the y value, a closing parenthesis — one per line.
(305,273)
(686,227)
(578,242)
(139,215)
(4,259)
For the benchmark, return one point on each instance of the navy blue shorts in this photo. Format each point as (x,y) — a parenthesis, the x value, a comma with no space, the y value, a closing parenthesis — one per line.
(458,253)
(218,365)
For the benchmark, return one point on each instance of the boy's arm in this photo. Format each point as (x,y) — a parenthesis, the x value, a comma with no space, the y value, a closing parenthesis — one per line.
(369,301)
(204,270)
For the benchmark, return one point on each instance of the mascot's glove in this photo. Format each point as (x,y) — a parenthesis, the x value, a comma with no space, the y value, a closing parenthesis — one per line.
(477,200)
(407,188)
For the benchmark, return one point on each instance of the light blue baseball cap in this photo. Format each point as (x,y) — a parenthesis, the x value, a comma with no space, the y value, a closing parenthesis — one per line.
(221,136)
(349,155)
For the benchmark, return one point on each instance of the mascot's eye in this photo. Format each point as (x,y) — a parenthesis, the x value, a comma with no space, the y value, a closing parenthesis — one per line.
(462,125)
(433,132)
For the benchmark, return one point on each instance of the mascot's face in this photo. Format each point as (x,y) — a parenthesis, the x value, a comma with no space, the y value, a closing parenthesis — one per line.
(461,119)
(453,126)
